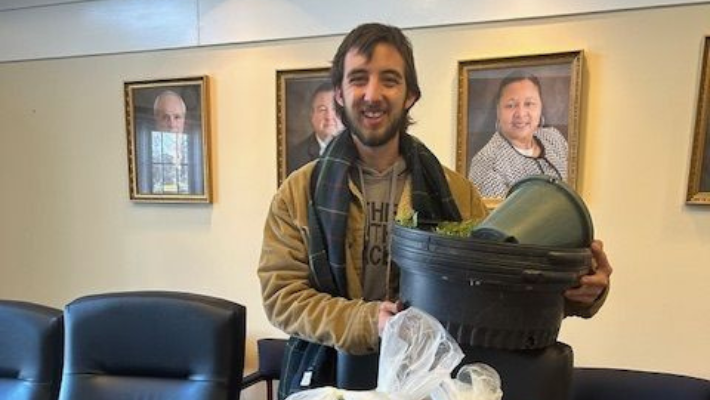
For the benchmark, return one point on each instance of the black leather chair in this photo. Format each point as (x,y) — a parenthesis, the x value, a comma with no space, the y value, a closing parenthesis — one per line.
(31,340)
(620,384)
(153,345)
(271,353)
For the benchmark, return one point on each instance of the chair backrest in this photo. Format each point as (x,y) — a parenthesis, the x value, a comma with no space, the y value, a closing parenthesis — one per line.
(30,351)
(271,354)
(153,345)
(620,384)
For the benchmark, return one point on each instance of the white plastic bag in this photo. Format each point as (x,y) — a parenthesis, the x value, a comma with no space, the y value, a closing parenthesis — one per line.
(417,357)
(473,382)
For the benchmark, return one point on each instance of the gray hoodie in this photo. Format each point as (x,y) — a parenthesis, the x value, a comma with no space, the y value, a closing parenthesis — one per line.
(382,191)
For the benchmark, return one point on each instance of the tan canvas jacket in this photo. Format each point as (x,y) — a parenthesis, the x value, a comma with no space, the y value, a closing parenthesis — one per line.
(293,306)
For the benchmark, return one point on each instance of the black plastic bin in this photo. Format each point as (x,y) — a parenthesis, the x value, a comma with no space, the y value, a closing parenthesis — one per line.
(488,294)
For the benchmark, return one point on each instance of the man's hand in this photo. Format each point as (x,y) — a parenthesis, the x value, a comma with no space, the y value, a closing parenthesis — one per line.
(387,310)
(591,286)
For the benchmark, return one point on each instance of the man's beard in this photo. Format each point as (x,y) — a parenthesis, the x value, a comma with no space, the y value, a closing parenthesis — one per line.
(399,125)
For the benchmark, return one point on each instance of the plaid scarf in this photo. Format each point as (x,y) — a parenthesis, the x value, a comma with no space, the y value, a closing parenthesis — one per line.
(331,197)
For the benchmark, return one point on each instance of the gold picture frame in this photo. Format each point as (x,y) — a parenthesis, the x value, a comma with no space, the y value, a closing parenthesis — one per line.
(294,92)
(699,173)
(559,76)
(167,125)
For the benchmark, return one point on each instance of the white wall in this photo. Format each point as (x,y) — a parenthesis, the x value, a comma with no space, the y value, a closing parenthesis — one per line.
(68,228)
(34,29)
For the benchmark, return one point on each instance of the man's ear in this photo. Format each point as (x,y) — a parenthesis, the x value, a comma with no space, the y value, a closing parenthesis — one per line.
(410,101)
(338,96)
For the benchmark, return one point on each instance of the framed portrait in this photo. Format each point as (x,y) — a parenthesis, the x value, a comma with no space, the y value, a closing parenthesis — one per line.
(699,175)
(167,122)
(518,116)
(305,115)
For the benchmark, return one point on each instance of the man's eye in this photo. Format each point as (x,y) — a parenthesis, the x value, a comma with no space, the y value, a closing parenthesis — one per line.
(391,82)
(357,80)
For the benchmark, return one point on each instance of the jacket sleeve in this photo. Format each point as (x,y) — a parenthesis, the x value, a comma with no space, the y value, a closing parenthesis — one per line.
(467,196)
(291,304)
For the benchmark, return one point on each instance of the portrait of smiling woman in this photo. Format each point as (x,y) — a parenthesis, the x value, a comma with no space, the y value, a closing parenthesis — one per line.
(519,118)
(522,145)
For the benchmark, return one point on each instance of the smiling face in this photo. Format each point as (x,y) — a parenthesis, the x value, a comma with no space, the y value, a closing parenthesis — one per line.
(374,95)
(324,119)
(519,111)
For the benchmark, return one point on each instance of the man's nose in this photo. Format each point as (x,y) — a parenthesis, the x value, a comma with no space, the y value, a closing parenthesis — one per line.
(373,90)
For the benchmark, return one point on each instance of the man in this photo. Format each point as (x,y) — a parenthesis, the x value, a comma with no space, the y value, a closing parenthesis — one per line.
(325,124)
(320,281)
(169,112)
(176,169)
